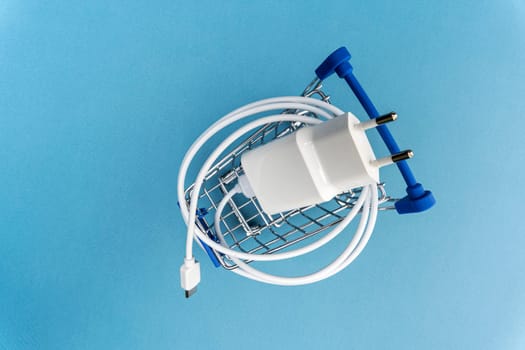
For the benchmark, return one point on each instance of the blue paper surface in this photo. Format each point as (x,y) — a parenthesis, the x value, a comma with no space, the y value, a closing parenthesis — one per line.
(100,100)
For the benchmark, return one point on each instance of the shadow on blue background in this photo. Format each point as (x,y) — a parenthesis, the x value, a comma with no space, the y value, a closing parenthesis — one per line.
(98,103)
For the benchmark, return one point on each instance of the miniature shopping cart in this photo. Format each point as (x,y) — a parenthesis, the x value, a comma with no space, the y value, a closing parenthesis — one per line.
(247,228)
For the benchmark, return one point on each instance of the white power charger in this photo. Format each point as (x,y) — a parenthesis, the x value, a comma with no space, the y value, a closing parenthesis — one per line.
(313,164)
(329,155)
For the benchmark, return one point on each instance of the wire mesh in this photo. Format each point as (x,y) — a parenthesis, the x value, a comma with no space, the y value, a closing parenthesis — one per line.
(245,226)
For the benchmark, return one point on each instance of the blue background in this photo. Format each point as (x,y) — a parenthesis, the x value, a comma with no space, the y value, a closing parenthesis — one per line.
(99,101)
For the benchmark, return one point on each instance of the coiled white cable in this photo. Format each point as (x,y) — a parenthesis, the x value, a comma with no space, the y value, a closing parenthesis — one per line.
(367,201)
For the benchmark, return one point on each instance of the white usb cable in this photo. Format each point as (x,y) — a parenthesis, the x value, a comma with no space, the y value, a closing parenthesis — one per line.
(367,202)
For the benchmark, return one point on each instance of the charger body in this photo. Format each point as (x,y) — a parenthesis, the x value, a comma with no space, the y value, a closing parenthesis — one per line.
(310,166)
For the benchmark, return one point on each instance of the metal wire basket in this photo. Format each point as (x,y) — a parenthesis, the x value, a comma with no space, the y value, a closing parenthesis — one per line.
(247,227)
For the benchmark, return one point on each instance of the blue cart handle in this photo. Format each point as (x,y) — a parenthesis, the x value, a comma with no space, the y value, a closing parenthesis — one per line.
(418,199)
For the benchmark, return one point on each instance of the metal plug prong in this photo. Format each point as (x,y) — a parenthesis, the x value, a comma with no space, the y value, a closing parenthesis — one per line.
(372,123)
(402,156)
(381,162)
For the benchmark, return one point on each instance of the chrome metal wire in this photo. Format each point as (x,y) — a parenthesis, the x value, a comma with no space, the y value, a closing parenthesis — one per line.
(247,227)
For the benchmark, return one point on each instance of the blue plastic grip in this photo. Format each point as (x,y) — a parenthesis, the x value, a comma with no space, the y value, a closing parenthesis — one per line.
(418,199)
(336,58)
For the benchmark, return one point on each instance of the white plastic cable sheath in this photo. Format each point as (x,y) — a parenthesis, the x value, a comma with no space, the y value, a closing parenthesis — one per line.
(202,174)
(367,200)
(354,248)
(279,103)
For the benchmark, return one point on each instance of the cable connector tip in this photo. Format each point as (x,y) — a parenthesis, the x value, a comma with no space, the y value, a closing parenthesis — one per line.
(189,293)
(190,276)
